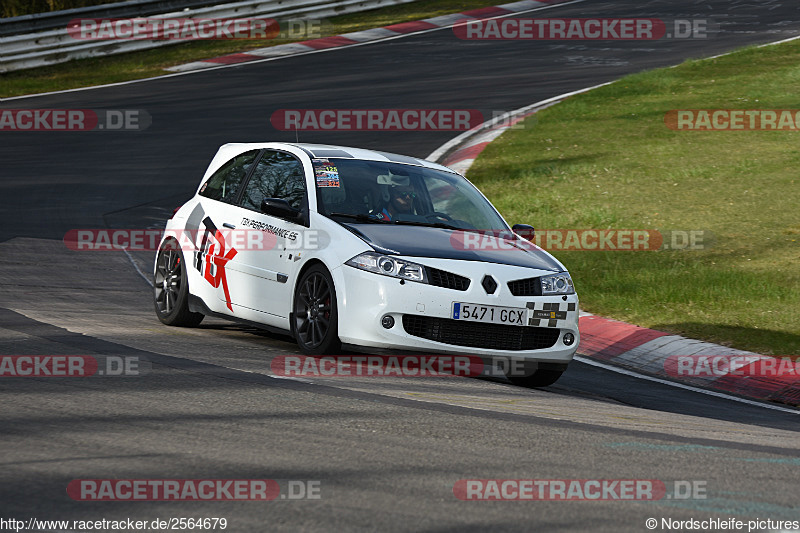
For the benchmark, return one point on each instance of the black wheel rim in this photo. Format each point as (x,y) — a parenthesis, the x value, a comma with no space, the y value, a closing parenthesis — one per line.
(312,310)
(168,279)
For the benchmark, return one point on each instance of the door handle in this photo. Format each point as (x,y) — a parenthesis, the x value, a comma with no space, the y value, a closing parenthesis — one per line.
(229,226)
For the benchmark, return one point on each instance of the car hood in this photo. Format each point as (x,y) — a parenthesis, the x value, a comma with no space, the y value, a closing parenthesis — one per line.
(421,241)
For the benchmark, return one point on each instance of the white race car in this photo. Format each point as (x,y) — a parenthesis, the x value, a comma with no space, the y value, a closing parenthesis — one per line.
(346,246)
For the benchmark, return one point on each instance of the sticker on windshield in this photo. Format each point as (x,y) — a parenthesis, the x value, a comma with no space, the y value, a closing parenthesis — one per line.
(326,173)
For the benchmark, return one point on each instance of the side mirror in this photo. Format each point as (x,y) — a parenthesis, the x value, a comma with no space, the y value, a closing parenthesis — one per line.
(280,208)
(525,231)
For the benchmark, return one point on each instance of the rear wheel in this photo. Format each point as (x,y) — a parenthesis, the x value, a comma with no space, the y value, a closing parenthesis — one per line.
(315,318)
(171,288)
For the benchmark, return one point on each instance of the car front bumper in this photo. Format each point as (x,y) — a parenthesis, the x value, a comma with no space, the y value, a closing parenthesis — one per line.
(422,314)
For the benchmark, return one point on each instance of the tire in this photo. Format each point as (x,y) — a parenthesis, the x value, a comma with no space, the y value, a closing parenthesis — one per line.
(315,317)
(171,288)
(540,378)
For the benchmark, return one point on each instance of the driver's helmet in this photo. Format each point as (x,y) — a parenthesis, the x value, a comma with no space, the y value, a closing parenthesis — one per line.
(391,181)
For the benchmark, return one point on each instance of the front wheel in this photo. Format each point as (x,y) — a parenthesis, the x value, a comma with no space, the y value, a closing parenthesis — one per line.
(171,288)
(315,318)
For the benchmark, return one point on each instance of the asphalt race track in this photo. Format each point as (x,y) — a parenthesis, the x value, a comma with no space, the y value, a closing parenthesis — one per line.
(385,453)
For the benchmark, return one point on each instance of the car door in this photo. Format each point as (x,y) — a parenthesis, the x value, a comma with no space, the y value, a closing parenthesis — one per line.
(267,264)
(210,224)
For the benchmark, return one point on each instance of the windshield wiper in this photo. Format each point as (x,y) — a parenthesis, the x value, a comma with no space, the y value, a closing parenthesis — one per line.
(370,219)
(426,224)
(360,217)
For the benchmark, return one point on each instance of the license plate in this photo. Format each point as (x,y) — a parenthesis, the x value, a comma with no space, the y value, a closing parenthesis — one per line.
(489,314)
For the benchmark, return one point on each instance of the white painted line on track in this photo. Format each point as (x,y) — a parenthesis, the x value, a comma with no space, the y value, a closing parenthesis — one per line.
(130,258)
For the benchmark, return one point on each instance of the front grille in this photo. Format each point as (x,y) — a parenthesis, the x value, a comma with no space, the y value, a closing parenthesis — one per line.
(525,287)
(478,335)
(448,280)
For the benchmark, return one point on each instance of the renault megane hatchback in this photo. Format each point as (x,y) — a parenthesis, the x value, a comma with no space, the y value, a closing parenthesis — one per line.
(345,246)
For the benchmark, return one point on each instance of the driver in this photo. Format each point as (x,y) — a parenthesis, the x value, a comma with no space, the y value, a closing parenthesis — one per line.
(401,201)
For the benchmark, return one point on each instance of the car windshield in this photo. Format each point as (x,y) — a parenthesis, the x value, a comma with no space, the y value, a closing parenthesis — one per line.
(384,192)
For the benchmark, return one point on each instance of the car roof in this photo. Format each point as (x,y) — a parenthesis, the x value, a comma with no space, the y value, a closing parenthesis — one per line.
(332,151)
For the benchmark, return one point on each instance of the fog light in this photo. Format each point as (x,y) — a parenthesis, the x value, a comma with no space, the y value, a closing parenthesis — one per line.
(387,322)
(569,338)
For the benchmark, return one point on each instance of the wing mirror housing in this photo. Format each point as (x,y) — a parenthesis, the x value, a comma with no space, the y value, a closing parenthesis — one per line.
(525,231)
(280,208)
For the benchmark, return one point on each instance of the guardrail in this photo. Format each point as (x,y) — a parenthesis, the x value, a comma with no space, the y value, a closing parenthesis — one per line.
(18,52)
(52,20)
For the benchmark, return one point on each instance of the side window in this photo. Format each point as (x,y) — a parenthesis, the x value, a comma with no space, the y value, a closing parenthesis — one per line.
(224,184)
(277,175)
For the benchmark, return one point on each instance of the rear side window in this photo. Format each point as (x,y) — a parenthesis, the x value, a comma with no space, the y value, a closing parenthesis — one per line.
(224,184)
(277,175)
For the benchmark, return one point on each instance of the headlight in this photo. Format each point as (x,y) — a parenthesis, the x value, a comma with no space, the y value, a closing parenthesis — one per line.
(557,284)
(389,266)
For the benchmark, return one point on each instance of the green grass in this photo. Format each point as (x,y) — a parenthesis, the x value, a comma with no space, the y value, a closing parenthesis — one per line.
(15,8)
(605,159)
(149,63)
